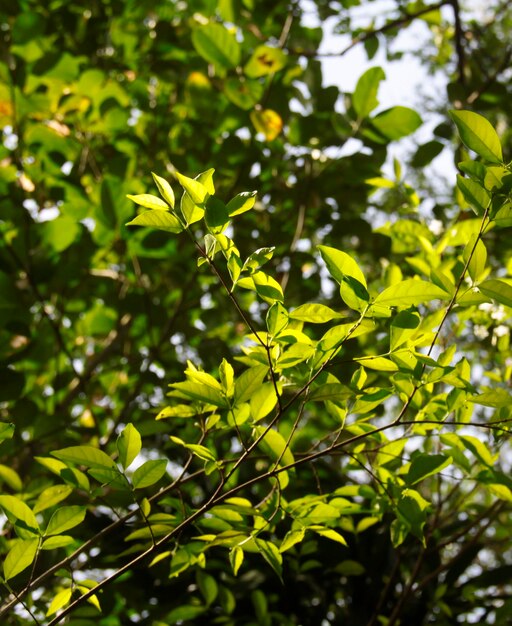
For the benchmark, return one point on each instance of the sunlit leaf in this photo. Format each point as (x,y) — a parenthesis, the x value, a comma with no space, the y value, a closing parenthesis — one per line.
(364,99)
(149,473)
(65,518)
(478,135)
(129,444)
(162,220)
(20,556)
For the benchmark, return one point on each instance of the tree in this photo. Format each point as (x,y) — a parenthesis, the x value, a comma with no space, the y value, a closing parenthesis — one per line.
(333,444)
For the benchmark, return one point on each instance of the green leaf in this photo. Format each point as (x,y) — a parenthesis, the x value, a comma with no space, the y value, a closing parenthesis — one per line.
(85,455)
(20,515)
(243,93)
(165,189)
(51,496)
(248,382)
(496,398)
(58,541)
(274,445)
(20,556)
(498,290)
(396,122)
(60,600)
(129,444)
(227,377)
(271,554)
(291,538)
(69,474)
(6,431)
(11,478)
(162,220)
(379,363)
(329,533)
(364,99)
(190,210)
(474,194)
(199,391)
(236,558)
(208,587)
(149,473)
(478,135)
(340,265)
(265,60)
(265,286)
(476,267)
(217,45)
(403,326)
(257,259)
(314,313)
(410,292)
(64,518)
(424,465)
(263,401)
(195,189)
(200,451)
(216,215)
(150,202)
(277,319)
(241,203)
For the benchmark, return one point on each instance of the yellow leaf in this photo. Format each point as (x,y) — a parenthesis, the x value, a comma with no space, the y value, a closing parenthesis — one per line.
(267,122)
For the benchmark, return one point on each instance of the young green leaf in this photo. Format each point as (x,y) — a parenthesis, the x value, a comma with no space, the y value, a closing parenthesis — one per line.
(64,518)
(20,556)
(476,267)
(191,211)
(410,292)
(364,99)
(291,538)
(271,554)
(60,600)
(164,189)
(161,220)
(314,313)
(129,444)
(216,215)
(241,203)
(339,265)
(6,431)
(403,327)
(20,515)
(277,319)
(149,473)
(274,444)
(248,382)
(478,135)
(474,194)
(425,465)
(236,558)
(396,122)
(263,401)
(217,45)
(85,455)
(149,202)
(51,496)
(498,290)
(199,391)
(195,189)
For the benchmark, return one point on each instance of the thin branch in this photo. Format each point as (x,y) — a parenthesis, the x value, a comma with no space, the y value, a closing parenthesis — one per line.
(405,18)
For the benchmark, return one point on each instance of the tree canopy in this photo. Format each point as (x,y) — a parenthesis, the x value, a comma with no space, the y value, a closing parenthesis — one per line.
(254,366)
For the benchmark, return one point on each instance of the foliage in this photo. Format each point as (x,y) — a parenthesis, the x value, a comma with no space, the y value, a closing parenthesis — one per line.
(333,344)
